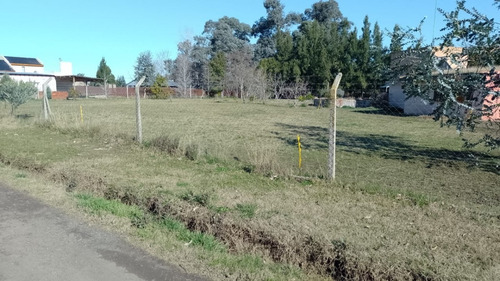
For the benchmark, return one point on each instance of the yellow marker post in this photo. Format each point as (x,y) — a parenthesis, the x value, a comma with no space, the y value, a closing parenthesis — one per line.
(81,113)
(300,151)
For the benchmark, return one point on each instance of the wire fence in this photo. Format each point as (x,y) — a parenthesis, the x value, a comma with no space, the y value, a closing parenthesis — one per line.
(386,143)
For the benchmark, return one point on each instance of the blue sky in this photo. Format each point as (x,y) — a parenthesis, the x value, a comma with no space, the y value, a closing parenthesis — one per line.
(83,32)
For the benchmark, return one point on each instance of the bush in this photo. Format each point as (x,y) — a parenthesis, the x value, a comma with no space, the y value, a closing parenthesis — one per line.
(309,96)
(73,94)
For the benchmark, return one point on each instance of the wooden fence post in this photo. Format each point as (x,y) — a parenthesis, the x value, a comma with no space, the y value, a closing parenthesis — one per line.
(333,127)
(138,109)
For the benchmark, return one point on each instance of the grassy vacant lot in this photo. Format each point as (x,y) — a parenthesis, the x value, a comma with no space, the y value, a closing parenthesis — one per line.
(222,176)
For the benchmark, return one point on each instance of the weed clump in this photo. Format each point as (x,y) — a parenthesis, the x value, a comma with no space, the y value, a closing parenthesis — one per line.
(191,152)
(202,199)
(246,210)
(166,144)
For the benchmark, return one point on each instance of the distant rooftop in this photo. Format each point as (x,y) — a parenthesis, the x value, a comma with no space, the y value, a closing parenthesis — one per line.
(4,66)
(23,61)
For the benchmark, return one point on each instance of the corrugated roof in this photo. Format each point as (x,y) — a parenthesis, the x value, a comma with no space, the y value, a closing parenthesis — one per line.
(4,66)
(23,61)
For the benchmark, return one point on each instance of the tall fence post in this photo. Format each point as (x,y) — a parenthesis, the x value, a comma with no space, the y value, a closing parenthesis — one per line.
(45,102)
(333,127)
(138,108)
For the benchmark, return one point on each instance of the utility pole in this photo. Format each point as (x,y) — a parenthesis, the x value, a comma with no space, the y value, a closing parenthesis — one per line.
(138,108)
(333,127)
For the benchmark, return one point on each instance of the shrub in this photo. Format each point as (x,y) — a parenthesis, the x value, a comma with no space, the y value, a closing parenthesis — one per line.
(309,96)
(73,94)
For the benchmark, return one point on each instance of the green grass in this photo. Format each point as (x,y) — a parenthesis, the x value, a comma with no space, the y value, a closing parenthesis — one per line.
(406,194)
(98,205)
(246,210)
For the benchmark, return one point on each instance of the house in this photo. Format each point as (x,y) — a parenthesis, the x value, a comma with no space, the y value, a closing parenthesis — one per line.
(32,70)
(67,81)
(447,59)
(27,70)
(492,104)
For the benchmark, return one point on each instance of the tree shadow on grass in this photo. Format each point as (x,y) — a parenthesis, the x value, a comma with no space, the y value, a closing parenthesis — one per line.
(388,147)
(385,110)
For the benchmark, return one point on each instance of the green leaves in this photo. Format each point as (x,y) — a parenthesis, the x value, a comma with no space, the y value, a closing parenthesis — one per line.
(104,73)
(16,93)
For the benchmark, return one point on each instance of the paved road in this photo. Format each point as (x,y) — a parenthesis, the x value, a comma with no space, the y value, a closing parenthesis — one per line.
(38,242)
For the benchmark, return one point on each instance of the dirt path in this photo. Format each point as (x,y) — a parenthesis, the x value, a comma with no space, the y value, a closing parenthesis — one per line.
(40,243)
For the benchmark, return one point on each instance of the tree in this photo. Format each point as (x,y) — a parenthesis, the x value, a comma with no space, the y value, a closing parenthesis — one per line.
(183,69)
(200,56)
(266,28)
(257,85)
(16,93)
(378,62)
(145,67)
(120,81)
(312,56)
(160,63)
(324,12)
(7,87)
(239,72)
(227,34)
(363,56)
(158,88)
(217,66)
(466,94)
(396,39)
(104,73)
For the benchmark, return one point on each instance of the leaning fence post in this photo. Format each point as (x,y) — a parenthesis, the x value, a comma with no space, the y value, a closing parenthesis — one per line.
(45,102)
(138,109)
(333,127)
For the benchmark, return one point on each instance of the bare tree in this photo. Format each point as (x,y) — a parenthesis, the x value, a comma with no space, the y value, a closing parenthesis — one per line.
(183,68)
(240,69)
(258,85)
(277,83)
(160,63)
(294,89)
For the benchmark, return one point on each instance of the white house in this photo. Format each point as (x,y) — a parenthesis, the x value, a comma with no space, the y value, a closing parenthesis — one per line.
(32,70)
(27,70)
(448,59)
